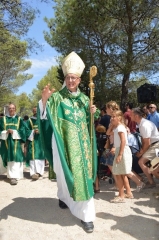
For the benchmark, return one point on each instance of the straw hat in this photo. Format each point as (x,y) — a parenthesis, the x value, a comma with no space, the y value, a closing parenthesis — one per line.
(154,164)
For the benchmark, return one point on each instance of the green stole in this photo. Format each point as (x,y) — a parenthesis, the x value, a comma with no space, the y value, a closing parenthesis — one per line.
(34,147)
(11,149)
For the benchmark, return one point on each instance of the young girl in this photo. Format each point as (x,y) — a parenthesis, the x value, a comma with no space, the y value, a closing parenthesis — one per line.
(110,108)
(123,157)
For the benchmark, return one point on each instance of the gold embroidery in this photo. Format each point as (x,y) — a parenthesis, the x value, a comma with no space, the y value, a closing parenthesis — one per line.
(31,123)
(15,145)
(73,130)
(33,149)
(75,158)
(67,112)
(84,138)
(4,119)
(12,124)
(18,123)
(83,126)
(75,104)
(32,126)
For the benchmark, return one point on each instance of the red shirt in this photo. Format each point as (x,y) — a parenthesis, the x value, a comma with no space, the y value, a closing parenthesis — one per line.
(131,124)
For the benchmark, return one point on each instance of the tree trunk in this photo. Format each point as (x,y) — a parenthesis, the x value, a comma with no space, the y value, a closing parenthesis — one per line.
(124,93)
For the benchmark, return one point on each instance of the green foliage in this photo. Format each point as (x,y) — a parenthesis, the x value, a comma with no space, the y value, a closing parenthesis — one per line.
(119,37)
(17,16)
(24,105)
(22,102)
(12,63)
(6,97)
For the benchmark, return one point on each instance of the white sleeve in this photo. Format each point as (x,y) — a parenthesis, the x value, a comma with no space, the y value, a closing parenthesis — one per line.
(4,135)
(42,110)
(15,135)
(145,130)
(121,128)
(31,137)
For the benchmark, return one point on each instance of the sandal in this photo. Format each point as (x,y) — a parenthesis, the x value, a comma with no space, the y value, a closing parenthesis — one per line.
(117,200)
(130,196)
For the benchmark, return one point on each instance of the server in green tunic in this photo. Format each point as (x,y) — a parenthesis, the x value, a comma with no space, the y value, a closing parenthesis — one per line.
(34,154)
(12,134)
(65,117)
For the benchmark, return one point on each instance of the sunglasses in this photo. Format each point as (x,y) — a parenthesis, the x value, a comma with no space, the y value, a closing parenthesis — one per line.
(151,107)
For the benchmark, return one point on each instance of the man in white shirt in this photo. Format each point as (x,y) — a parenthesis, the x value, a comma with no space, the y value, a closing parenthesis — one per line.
(150,141)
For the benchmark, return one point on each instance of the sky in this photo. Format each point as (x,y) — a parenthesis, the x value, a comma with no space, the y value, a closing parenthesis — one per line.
(42,61)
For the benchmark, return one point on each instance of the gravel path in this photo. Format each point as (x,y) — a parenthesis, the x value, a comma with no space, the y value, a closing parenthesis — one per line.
(29,211)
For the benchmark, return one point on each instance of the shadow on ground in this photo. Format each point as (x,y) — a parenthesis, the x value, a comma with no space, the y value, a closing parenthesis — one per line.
(131,225)
(42,210)
(139,225)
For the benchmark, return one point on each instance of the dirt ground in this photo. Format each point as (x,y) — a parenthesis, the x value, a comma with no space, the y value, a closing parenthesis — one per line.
(29,211)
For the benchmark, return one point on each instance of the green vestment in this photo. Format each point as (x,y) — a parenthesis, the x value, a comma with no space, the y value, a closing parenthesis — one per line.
(34,148)
(68,117)
(11,149)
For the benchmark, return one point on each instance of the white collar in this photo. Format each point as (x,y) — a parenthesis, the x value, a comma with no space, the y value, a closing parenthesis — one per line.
(11,116)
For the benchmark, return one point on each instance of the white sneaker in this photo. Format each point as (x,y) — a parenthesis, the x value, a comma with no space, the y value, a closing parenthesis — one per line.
(140,187)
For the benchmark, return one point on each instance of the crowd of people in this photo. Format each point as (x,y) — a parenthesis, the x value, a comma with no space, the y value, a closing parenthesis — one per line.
(60,133)
(142,138)
(20,142)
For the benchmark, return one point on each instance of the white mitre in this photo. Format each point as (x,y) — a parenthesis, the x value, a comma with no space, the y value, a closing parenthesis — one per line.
(73,64)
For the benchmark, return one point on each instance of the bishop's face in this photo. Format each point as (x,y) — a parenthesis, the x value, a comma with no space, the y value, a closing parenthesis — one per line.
(72,81)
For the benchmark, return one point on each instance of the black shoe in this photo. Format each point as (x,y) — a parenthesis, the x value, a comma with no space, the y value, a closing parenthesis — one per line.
(13,181)
(62,204)
(88,226)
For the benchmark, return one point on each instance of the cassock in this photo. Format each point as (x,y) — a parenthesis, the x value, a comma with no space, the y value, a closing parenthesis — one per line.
(11,150)
(35,154)
(64,128)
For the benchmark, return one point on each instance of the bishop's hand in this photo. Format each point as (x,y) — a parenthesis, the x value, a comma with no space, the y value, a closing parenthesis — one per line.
(93,109)
(46,93)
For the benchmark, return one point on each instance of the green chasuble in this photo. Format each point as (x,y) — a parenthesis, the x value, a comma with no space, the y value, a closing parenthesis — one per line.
(34,148)
(11,149)
(68,117)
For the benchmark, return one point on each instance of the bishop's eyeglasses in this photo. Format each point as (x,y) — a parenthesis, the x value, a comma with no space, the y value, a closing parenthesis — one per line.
(71,77)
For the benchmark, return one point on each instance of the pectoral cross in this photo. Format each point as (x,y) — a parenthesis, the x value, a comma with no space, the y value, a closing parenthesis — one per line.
(75,114)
